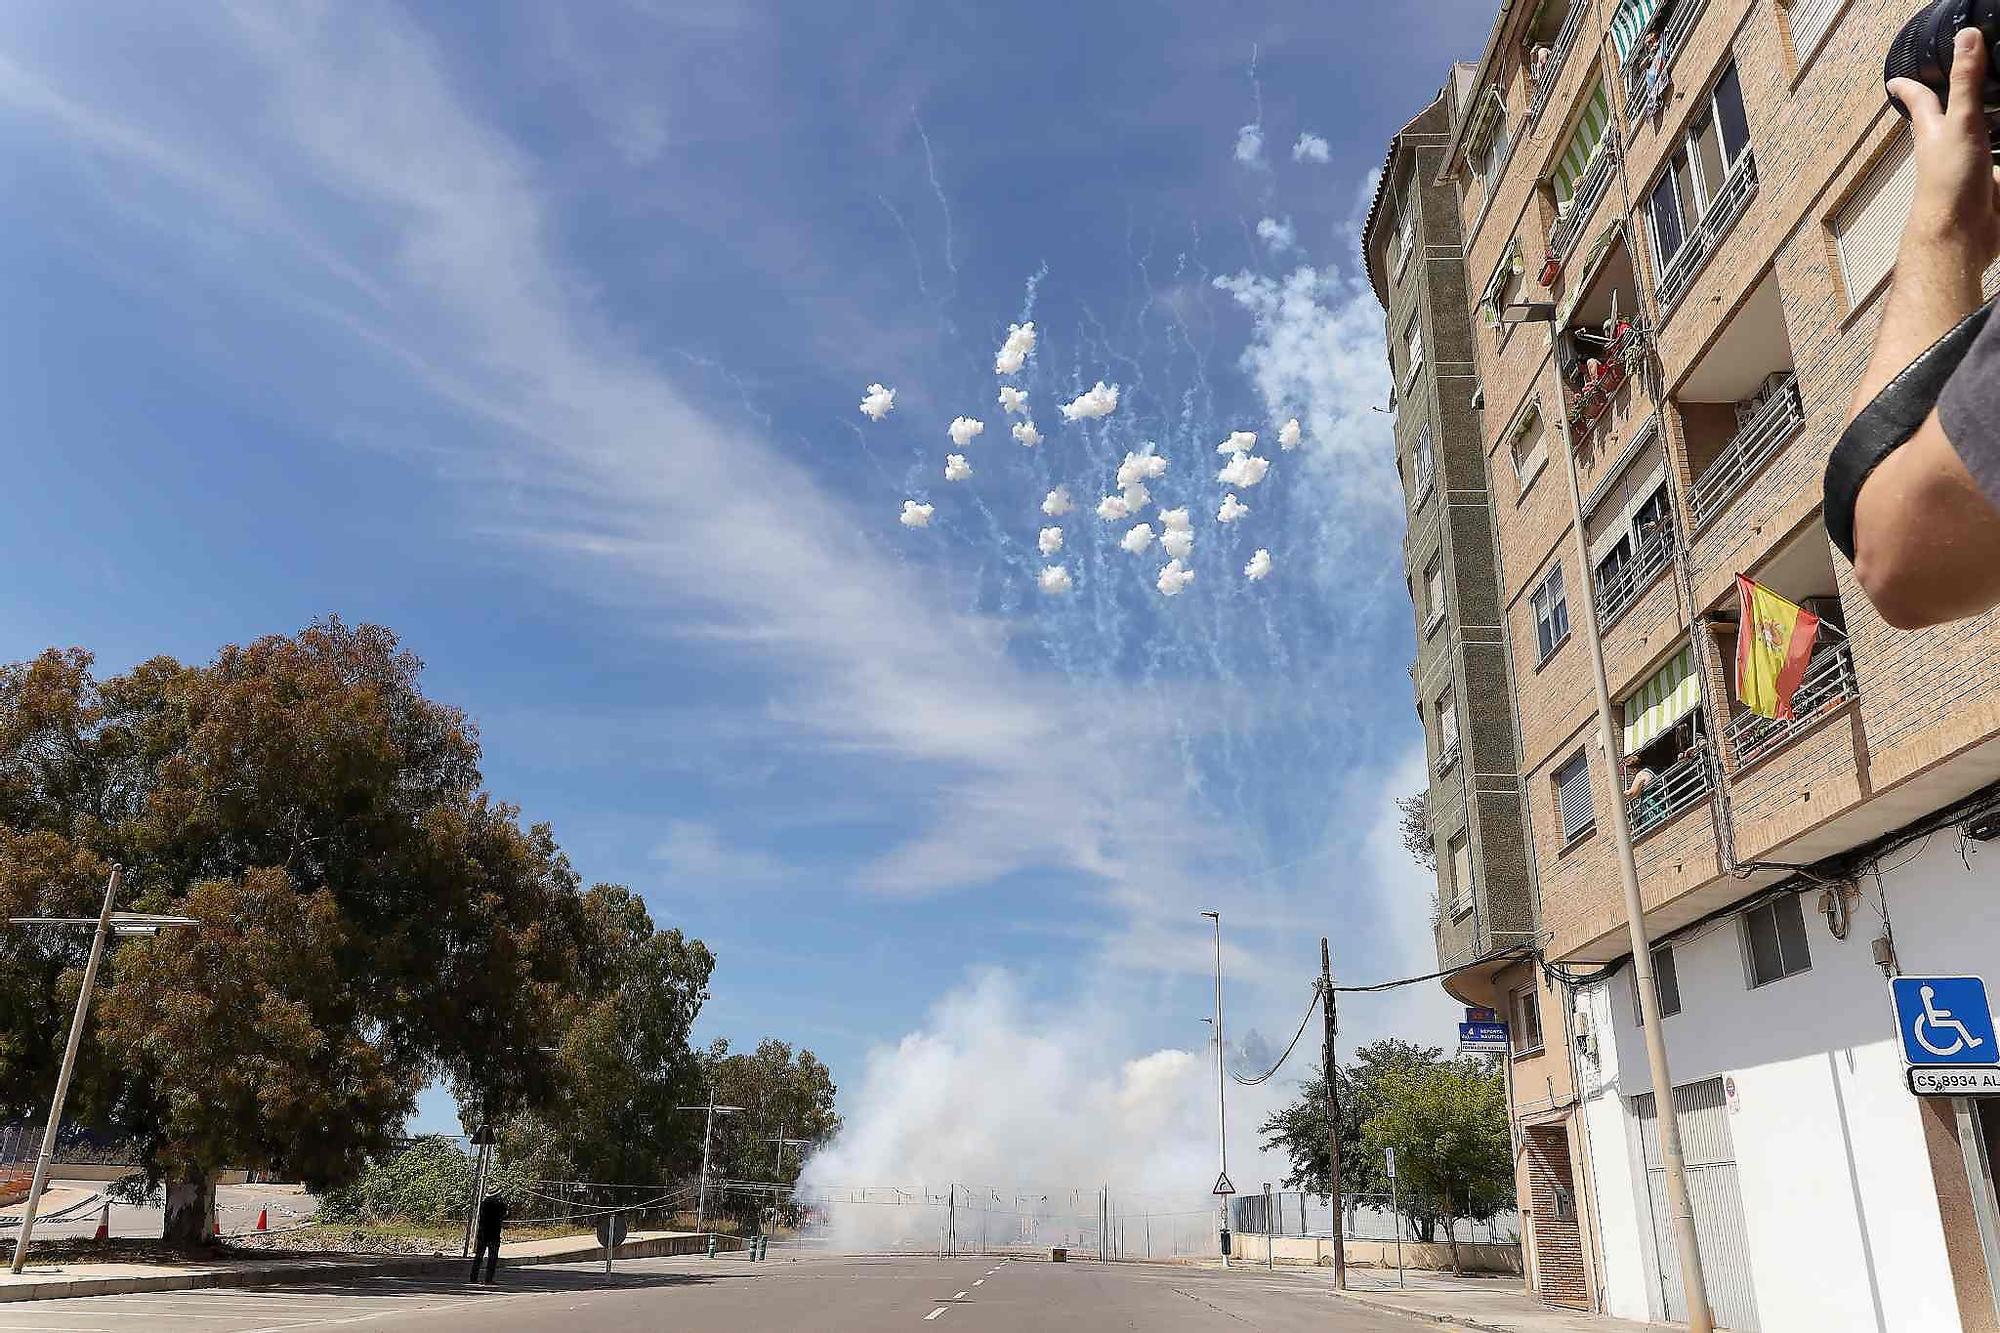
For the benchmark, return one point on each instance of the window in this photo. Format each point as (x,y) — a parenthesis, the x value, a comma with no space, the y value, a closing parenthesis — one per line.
(1530,449)
(1447,716)
(1572,784)
(1461,874)
(1424,461)
(1666,985)
(1527,1025)
(1868,226)
(1810,20)
(1715,143)
(1774,938)
(1413,339)
(1490,142)
(1433,596)
(1551,613)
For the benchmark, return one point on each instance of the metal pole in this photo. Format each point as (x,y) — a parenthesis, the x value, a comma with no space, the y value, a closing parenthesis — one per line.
(1330,1015)
(1700,1318)
(701,1191)
(478,1185)
(1269,1244)
(1221,1103)
(1396,1220)
(951,1223)
(68,1067)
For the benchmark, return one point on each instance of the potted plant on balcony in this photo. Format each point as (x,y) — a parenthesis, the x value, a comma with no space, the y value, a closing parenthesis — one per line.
(1552,268)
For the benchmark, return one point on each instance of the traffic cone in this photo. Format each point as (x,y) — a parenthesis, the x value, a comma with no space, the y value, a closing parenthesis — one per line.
(263,1224)
(104,1223)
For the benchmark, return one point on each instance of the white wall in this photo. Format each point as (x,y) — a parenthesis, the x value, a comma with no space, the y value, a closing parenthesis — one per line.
(1621,1216)
(1838,1197)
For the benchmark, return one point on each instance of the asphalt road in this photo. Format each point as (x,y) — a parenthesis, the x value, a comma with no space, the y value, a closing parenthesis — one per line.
(830,1294)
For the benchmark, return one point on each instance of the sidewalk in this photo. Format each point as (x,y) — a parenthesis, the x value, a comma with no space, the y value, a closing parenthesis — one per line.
(48,1281)
(1492,1305)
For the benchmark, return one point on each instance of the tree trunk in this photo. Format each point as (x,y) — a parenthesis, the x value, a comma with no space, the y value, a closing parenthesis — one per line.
(190,1208)
(1451,1239)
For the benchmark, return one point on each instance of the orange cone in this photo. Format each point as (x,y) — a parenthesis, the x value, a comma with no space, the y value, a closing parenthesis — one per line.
(262,1223)
(104,1223)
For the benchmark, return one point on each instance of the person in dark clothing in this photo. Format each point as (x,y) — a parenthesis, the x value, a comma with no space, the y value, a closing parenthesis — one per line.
(486,1241)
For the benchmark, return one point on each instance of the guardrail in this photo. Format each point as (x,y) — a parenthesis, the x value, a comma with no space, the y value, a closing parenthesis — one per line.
(1828,682)
(1545,81)
(1672,38)
(1616,594)
(1683,784)
(1776,422)
(1723,210)
(1588,190)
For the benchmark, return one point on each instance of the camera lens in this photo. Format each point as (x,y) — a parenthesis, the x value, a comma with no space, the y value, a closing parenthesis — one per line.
(1922,49)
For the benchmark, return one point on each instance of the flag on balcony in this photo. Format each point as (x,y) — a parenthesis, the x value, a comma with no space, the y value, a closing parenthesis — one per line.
(1773,640)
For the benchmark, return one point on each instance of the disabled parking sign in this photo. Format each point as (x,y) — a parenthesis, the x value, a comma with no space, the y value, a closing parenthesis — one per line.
(1944,1021)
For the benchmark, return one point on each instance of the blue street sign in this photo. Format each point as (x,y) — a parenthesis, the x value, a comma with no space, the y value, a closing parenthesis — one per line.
(1482,1034)
(1945,1021)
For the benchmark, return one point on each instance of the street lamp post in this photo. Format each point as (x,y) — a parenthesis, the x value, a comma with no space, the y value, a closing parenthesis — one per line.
(710,1110)
(1221,1103)
(107,923)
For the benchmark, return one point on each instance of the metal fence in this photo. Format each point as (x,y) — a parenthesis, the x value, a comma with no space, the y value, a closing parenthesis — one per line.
(1364,1217)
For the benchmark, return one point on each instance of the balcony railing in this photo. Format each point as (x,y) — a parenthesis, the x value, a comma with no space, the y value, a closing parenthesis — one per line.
(1544,79)
(1591,398)
(1681,785)
(1828,683)
(1448,756)
(1588,190)
(1762,436)
(1723,210)
(1672,38)
(1616,594)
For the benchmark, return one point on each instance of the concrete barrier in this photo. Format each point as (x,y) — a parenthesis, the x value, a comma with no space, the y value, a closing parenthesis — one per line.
(1309,1251)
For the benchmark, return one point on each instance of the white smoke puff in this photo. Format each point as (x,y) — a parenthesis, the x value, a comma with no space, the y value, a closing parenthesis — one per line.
(1176,520)
(1244,470)
(1136,496)
(1100,400)
(1057,502)
(956,468)
(1055,580)
(1014,352)
(1259,566)
(1250,146)
(1312,148)
(1232,509)
(1239,442)
(915,515)
(1112,508)
(1178,543)
(878,401)
(1174,576)
(1288,435)
(1280,236)
(1049,541)
(1141,467)
(1013,400)
(1137,540)
(1025,432)
(964,430)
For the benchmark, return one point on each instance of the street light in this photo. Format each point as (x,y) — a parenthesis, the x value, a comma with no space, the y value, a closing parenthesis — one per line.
(1221,1106)
(106,924)
(1528,312)
(707,1129)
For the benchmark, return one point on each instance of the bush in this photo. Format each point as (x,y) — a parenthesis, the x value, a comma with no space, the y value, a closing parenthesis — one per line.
(426,1182)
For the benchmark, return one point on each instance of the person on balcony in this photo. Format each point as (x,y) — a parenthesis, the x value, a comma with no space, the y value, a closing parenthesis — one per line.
(1645,805)
(1657,84)
(1919,510)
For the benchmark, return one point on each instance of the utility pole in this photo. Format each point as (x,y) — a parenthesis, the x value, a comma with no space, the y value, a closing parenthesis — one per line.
(1701,1319)
(1330,1016)
(711,1111)
(951,1223)
(107,923)
(1270,1245)
(1221,1103)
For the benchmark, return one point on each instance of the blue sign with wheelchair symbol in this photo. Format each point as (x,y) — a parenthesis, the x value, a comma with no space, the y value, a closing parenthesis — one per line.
(1945,1021)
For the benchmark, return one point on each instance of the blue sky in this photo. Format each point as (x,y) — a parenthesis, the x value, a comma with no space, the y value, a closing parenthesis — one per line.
(537,333)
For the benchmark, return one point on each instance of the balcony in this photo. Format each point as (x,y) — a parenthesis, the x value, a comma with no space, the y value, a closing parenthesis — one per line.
(1589,189)
(1448,756)
(1685,784)
(1775,421)
(1673,36)
(1737,189)
(1828,683)
(1617,592)
(1545,60)
(1594,381)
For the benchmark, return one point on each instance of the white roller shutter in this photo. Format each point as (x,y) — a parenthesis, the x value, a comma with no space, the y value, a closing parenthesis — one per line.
(1809,21)
(1868,227)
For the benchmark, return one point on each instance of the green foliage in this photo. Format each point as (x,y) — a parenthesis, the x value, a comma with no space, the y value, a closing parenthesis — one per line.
(785,1095)
(428,1181)
(1447,1122)
(1300,1128)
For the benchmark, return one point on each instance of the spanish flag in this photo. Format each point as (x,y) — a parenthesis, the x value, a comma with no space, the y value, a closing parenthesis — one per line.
(1774,638)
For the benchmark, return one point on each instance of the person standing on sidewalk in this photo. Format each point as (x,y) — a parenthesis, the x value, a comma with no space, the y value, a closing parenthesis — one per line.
(486,1241)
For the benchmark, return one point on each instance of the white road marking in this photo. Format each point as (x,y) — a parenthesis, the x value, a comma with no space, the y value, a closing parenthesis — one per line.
(959,1297)
(979,1282)
(934,1314)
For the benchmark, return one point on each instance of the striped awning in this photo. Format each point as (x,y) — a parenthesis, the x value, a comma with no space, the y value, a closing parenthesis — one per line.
(1584,141)
(1671,694)
(1629,23)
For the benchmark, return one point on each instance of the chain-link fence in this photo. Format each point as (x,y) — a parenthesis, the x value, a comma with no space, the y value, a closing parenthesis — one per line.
(1364,1217)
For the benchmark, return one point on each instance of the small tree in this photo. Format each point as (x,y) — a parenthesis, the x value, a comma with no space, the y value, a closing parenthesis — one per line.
(1448,1125)
(786,1094)
(1300,1128)
(1416,830)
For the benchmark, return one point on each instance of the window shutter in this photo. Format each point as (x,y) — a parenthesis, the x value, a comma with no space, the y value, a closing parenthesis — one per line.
(1573,797)
(1461,868)
(1867,229)
(1665,208)
(1810,19)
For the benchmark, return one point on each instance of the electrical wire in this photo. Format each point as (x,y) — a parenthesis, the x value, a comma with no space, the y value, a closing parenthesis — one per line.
(1488,960)
(1265,1076)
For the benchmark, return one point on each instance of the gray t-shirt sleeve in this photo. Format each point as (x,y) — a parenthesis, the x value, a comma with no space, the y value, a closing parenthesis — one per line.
(1969,411)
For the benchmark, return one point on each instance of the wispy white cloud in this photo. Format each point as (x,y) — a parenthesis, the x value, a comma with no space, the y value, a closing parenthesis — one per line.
(1311,148)
(1280,236)
(1250,147)
(696,852)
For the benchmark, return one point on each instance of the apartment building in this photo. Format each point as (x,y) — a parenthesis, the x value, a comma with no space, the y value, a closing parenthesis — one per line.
(1677,221)
(1484,914)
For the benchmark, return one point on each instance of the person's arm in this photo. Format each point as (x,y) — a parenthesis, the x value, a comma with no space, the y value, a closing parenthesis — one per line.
(1926,539)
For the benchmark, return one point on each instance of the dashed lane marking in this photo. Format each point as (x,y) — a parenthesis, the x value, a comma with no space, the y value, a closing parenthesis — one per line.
(935,1313)
(979,1282)
(959,1297)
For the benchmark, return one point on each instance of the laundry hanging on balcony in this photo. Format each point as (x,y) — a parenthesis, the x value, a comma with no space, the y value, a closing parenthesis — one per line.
(1671,694)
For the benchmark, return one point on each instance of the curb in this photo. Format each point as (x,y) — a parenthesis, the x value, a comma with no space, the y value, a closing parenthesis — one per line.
(1442,1321)
(651,1248)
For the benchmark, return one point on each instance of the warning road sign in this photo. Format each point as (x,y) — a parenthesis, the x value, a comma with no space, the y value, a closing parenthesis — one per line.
(1222,1185)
